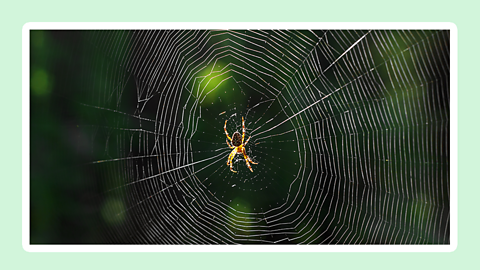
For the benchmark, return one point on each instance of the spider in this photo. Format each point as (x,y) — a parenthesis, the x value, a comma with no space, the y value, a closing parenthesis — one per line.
(238,146)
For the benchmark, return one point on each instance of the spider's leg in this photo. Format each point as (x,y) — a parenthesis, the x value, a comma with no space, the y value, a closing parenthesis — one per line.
(251,161)
(247,141)
(230,158)
(246,159)
(243,133)
(225,127)
(231,147)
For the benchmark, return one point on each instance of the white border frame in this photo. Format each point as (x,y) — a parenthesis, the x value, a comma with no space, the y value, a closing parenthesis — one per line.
(238,248)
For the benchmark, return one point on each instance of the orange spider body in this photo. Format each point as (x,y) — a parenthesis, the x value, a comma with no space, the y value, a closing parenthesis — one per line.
(238,146)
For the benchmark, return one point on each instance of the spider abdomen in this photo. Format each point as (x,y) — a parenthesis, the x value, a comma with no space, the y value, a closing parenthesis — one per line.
(236,139)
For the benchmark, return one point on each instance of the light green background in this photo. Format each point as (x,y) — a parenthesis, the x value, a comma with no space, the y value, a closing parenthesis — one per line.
(463,13)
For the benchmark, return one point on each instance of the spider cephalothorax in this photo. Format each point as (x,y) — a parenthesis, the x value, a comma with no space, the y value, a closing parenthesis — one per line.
(238,146)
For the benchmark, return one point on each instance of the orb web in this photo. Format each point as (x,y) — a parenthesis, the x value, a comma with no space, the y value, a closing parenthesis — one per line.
(350,129)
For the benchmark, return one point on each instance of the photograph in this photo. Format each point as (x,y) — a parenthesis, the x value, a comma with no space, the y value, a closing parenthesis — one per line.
(252,136)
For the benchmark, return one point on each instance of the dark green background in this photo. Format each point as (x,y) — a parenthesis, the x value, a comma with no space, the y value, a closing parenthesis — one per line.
(90,166)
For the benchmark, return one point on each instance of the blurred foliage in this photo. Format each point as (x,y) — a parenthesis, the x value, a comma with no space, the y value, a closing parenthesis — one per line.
(81,99)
